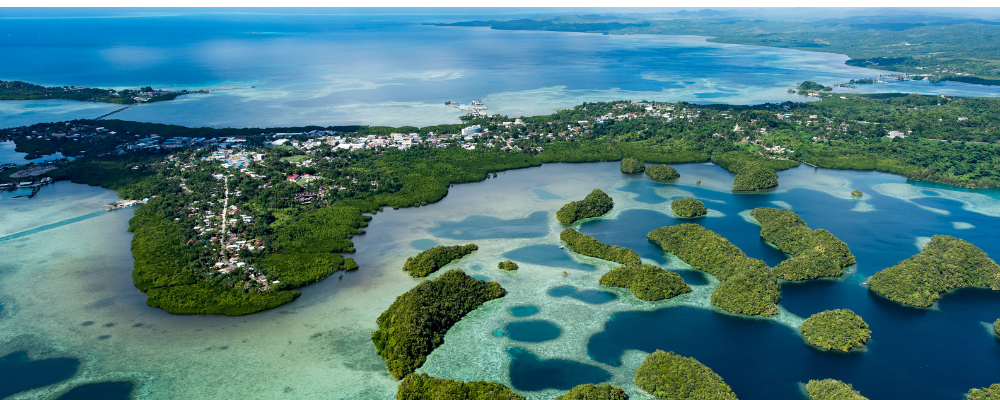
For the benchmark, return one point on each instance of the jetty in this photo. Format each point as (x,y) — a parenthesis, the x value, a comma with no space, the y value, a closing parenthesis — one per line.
(118,110)
(123,204)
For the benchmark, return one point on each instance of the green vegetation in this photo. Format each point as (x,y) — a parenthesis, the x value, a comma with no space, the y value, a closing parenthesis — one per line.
(662,172)
(507,265)
(425,387)
(670,376)
(432,259)
(815,253)
(596,204)
(632,166)
(647,282)
(18,90)
(810,86)
(946,263)
(996,327)
(688,207)
(752,173)
(990,393)
(943,46)
(588,246)
(840,330)
(590,391)
(747,285)
(832,389)
(857,193)
(415,324)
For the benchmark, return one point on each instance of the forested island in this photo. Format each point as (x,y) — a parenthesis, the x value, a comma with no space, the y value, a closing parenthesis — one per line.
(688,207)
(590,391)
(840,330)
(432,259)
(944,264)
(747,285)
(963,49)
(987,393)
(596,204)
(426,387)
(670,376)
(632,166)
(18,90)
(415,324)
(662,172)
(507,265)
(815,253)
(648,282)
(832,389)
(589,246)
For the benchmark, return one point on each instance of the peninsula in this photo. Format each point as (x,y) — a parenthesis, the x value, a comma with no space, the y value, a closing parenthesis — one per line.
(18,90)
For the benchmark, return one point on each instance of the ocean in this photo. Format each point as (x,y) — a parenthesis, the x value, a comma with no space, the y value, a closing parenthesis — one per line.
(270,68)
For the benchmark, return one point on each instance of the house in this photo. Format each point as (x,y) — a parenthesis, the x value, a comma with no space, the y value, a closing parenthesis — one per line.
(896,134)
(293,178)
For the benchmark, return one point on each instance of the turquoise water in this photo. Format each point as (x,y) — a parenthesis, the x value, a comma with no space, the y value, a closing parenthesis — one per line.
(9,155)
(400,71)
(67,294)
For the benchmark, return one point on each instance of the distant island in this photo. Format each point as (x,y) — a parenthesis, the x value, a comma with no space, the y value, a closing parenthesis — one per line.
(944,264)
(18,90)
(926,49)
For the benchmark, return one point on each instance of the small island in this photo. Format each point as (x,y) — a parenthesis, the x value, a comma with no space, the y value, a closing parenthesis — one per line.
(987,393)
(426,387)
(589,246)
(670,376)
(596,204)
(18,90)
(747,285)
(857,193)
(432,259)
(648,282)
(840,330)
(415,324)
(688,207)
(808,87)
(507,265)
(590,391)
(752,172)
(815,253)
(946,263)
(662,172)
(832,389)
(632,166)
(996,327)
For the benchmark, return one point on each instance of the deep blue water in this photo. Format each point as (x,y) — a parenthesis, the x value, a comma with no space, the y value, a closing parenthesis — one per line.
(549,255)
(484,227)
(533,331)
(529,372)
(588,296)
(19,373)
(913,354)
(523,311)
(100,391)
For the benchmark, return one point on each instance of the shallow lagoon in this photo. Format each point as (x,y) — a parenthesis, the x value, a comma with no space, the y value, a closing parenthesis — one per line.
(67,293)
(275,68)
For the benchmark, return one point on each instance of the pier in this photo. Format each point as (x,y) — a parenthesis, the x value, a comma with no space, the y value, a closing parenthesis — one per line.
(118,110)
